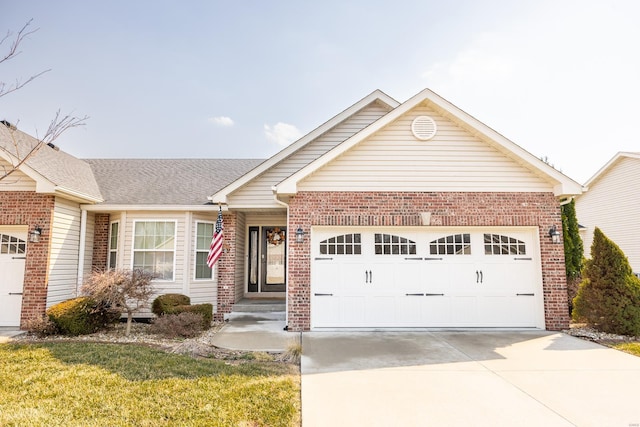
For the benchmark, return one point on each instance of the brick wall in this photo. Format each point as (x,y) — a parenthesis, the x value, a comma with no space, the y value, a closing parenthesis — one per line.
(226,266)
(31,209)
(308,209)
(100,242)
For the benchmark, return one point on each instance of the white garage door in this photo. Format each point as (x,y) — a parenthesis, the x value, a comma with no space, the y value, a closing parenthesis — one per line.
(415,278)
(12,262)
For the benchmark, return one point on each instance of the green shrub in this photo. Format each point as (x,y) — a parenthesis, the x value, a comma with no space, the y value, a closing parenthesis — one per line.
(82,315)
(609,297)
(204,310)
(164,304)
(185,324)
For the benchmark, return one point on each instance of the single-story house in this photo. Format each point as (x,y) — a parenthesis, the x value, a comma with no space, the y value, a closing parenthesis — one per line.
(388,215)
(615,185)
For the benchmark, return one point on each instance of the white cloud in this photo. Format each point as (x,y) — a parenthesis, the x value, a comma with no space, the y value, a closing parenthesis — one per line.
(223,121)
(282,134)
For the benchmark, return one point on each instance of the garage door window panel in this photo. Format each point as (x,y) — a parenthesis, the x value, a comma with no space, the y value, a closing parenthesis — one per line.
(11,245)
(454,244)
(498,244)
(345,244)
(390,244)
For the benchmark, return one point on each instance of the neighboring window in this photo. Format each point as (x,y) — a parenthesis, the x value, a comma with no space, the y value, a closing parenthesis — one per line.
(12,245)
(497,244)
(113,244)
(347,244)
(389,244)
(204,234)
(154,247)
(455,244)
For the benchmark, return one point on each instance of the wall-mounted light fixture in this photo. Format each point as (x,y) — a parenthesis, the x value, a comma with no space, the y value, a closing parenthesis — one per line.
(34,235)
(554,234)
(300,235)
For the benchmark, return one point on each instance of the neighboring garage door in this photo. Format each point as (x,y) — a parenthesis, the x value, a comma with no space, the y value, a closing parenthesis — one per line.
(390,278)
(13,248)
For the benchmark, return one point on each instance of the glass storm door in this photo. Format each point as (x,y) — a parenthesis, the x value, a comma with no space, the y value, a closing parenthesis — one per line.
(267,259)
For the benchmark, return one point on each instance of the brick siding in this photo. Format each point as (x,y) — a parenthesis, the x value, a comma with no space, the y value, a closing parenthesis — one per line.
(100,242)
(308,209)
(31,209)
(226,266)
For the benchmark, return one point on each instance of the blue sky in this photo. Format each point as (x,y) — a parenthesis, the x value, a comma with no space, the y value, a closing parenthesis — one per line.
(242,79)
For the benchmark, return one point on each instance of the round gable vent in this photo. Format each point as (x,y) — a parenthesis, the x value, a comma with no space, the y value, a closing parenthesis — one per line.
(423,127)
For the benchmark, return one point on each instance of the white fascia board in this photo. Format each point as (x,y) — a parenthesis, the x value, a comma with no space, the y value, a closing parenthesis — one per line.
(164,208)
(377,95)
(76,196)
(609,164)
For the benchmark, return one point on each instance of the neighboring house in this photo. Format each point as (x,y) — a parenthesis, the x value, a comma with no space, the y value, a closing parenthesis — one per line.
(388,215)
(611,203)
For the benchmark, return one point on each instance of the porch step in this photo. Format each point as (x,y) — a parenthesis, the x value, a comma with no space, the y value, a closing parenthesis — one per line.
(259,305)
(257,310)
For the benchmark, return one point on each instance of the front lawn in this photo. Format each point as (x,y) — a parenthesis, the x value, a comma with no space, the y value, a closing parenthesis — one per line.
(629,347)
(90,384)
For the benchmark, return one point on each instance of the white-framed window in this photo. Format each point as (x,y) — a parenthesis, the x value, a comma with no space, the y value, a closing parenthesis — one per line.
(204,234)
(114,228)
(154,247)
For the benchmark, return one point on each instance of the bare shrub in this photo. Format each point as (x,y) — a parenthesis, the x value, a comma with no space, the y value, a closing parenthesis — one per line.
(185,325)
(41,326)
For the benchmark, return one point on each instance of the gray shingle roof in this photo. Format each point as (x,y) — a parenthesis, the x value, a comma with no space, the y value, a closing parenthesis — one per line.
(61,168)
(165,181)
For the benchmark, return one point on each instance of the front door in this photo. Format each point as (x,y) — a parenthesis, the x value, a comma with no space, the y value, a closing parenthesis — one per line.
(267,259)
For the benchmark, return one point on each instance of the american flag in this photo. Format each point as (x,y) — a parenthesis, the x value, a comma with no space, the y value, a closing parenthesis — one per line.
(216,242)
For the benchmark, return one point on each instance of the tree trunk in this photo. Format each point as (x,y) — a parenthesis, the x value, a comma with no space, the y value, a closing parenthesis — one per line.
(129,319)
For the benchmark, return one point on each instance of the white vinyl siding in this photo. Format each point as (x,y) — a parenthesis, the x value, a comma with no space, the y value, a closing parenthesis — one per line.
(88,245)
(611,204)
(258,192)
(453,160)
(154,248)
(201,290)
(17,181)
(204,233)
(64,255)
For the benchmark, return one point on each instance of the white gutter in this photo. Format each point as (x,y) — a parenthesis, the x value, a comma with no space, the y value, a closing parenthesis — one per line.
(164,208)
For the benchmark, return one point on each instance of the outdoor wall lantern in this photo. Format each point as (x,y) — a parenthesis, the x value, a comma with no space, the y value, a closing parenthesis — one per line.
(300,235)
(554,234)
(34,235)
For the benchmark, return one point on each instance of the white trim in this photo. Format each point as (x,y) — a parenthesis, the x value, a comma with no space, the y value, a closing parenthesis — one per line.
(608,166)
(195,251)
(186,252)
(175,241)
(117,251)
(377,95)
(164,208)
(81,251)
(563,185)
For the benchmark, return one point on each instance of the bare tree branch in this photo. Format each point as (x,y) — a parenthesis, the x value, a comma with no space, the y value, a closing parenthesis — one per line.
(12,53)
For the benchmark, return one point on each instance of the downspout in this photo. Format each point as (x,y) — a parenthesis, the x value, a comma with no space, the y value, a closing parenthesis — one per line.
(286,294)
(83,241)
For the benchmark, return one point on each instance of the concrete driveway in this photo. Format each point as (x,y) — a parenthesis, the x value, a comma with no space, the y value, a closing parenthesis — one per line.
(531,378)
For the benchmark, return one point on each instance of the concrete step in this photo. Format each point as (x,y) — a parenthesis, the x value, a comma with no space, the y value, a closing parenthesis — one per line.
(259,306)
(253,317)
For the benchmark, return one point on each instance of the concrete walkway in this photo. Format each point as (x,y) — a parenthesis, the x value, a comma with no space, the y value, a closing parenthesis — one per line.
(531,378)
(255,332)
(7,333)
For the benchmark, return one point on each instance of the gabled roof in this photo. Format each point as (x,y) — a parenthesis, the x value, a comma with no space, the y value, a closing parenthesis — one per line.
(173,182)
(563,185)
(53,170)
(603,170)
(375,96)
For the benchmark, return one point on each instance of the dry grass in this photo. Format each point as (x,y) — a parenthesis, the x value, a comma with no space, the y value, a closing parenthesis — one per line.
(82,383)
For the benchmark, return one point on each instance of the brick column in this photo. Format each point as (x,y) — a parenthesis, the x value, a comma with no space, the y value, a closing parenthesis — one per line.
(226,268)
(100,242)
